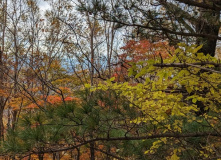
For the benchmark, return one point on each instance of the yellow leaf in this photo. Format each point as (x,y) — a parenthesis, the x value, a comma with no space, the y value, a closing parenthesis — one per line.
(87,85)
(174,156)
(189,90)
(112,79)
(194,100)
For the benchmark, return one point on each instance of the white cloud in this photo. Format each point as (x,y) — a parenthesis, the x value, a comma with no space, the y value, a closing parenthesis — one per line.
(44,6)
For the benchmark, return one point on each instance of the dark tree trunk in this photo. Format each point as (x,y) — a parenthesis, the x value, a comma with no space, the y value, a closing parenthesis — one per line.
(2,104)
(78,153)
(108,151)
(14,118)
(41,156)
(209,23)
(1,120)
(92,151)
(56,156)
(209,45)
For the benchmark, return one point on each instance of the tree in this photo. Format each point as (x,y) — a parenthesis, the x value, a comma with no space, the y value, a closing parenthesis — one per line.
(72,126)
(169,104)
(29,58)
(2,50)
(136,51)
(177,21)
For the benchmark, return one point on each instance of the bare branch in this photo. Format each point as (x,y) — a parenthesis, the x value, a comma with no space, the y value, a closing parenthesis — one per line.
(201,4)
(185,65)
(167,135)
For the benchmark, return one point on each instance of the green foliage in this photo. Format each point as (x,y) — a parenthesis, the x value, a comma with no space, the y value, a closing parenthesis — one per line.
(101,114)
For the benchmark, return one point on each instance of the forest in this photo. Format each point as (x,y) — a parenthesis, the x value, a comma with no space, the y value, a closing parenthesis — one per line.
(110,80)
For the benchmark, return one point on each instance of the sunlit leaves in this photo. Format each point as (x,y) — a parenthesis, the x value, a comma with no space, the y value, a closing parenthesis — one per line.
(172,98)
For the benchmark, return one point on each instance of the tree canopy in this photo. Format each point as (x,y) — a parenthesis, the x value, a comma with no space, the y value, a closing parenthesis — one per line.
(186,21)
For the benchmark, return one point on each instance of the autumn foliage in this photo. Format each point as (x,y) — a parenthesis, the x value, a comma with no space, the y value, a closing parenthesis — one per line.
(135,51)
(144,50)
(107,80)
(50,100)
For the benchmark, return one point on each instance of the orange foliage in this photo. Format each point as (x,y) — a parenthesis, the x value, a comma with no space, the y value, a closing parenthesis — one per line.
(136,51)
(52,99)
(100,103)
(144,49)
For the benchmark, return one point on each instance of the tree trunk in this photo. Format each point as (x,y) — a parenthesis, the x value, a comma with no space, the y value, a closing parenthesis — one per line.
(209,45)
(41,156)
(108,151)
(76,156)
(3,21)
(1,119)
(209,23)
(14,118)
(56,156)
(2,104)
(78,153)
(92,151)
